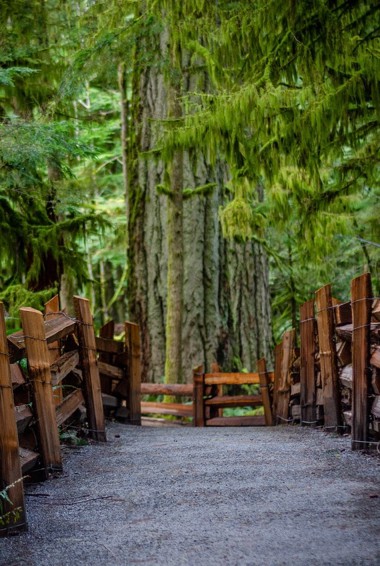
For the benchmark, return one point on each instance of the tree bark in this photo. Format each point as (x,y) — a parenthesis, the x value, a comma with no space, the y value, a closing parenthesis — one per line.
(226,312)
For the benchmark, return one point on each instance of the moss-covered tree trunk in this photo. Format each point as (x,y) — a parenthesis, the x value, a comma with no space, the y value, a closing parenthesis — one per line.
(225,313)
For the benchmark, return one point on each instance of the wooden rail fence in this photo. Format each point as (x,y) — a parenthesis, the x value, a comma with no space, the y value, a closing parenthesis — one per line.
(68,367)
(332,380)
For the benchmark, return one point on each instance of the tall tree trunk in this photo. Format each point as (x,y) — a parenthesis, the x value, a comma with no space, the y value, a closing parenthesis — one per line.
(226,313)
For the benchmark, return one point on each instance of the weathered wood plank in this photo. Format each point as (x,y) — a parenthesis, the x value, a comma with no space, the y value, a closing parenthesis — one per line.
(264,389)
(361,299)
(132,344)
(40,376)
(10,469)
(283,392)
(90,370)
(307,369)
(329,362)
(68,406)
(198,404)
(54,329)
(17,376)
(234,401)
(176,389)
(52,311)
(232,378)
(236,421)
(63,366)
(110,371)
(341,312)
(277,377)
(107,332)
(176,409)
(110,401)
(108,346)
(28,459)
(23,416)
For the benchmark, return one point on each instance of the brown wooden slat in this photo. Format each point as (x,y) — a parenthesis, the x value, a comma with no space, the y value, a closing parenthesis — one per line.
(90,370)
(28,459)
(329,361)
(52,310)
(54,330)
(132,344)
(63,366)
(178,389)
(361,298)
(236,421)
(68,406)
(198,404)
(283,391)
(265,392)
(232,378)
(40,376)
(107,331)
(234,401)
(176,409)
(23,416)
(108,346)
(111,371)
(10,470)
(307,370)
(17,376)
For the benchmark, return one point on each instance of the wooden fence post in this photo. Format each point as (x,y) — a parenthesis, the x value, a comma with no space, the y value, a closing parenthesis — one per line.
(307,370)
(132,342)
(10,468)
(90,370)
(106,331)
(39,371)
(361,303)
(277,378)
(198,404)
(329,363)
(283,391)
(51,309)
(264,389)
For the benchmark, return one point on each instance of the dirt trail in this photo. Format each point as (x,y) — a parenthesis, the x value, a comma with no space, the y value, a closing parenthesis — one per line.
(184,496)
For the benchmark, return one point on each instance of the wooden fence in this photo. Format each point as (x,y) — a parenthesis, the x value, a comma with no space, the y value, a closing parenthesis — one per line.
(334,380)
(68,367)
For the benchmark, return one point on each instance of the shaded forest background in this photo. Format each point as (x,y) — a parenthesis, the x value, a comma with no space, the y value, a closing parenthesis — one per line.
(197,167)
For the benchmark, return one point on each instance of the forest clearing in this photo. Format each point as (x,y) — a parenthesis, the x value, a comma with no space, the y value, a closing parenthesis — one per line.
(190,239)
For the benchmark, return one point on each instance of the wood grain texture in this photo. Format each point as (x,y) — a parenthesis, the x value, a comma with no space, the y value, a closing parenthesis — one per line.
(198,404)
(132,344)
(265,392)
(10,468)
(88,357)
(307,369)
(328,358)
(361,298)
(51,312)
(39,372)
(176,389)
(226,401)
(177,409)
(283,388)
(68,406)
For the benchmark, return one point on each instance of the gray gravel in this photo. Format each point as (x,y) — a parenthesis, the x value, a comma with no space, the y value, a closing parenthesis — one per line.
(184,496)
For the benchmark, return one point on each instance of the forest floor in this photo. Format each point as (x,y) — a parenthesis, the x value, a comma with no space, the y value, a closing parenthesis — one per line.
(222,496)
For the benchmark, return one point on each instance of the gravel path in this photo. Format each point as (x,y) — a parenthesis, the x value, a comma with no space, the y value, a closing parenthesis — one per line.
(185,496)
